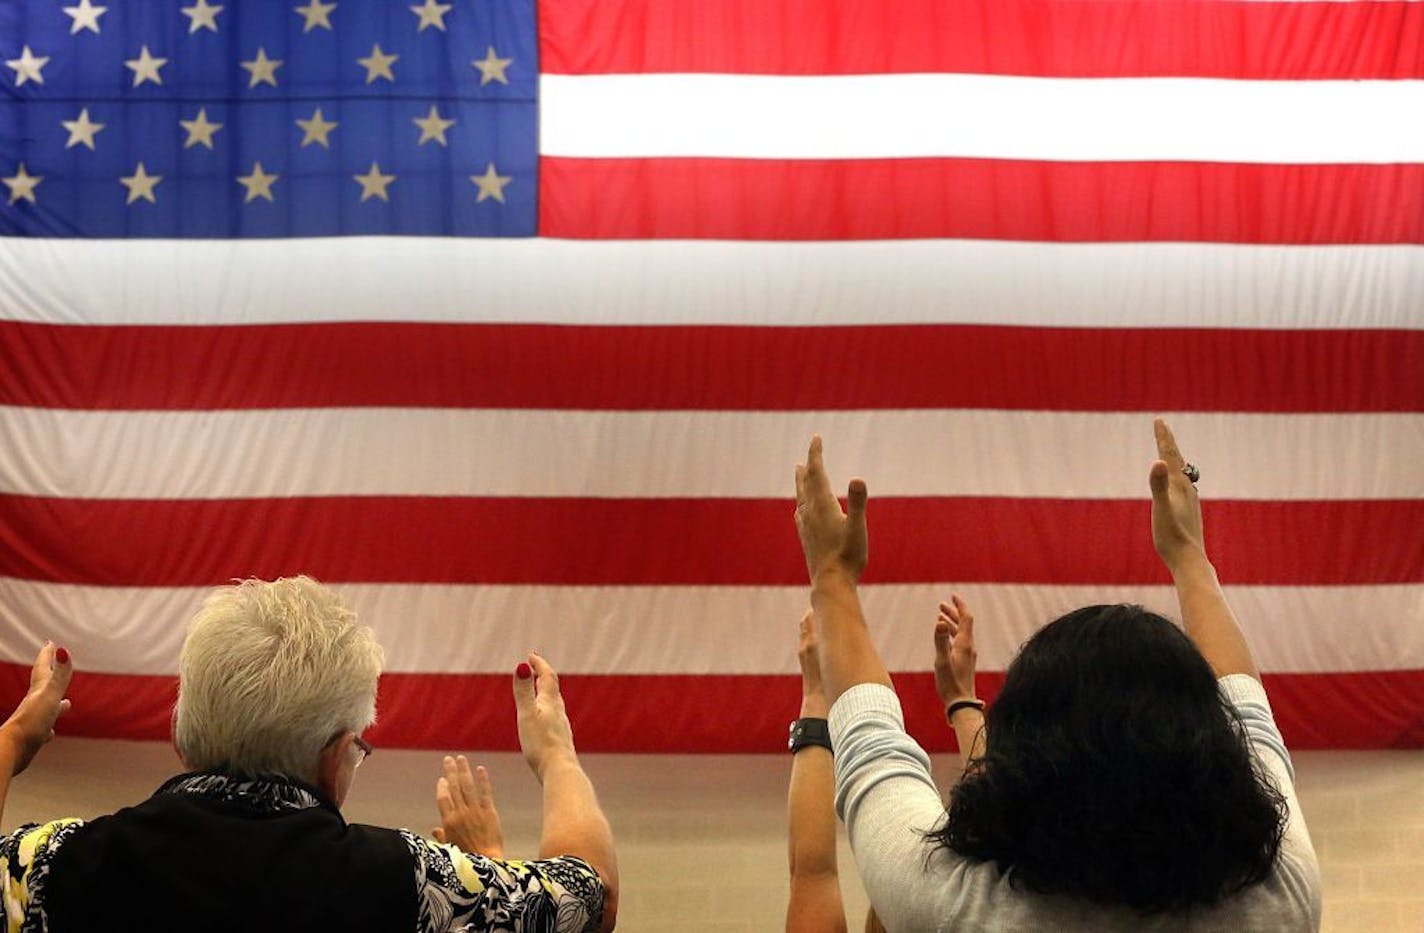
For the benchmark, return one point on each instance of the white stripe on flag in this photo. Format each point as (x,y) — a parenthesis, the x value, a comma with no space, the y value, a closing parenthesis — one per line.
(981,116)
(493,452)
(711,282)
(702,629)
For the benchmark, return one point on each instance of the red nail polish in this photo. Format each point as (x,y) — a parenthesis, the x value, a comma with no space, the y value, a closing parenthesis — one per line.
(61,655)
(523,671)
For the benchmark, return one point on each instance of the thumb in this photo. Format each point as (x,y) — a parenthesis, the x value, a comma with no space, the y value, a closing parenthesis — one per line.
(1157,479)
(523,685)
(855,502)
(438,834)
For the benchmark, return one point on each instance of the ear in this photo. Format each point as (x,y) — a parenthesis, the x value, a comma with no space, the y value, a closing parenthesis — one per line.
(333,768)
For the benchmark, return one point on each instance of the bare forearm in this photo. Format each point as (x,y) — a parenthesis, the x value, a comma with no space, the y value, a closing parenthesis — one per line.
(9,757)
(848,656)
(968,727)
(1210,624)
(574,823)
(811,811)
(814,905)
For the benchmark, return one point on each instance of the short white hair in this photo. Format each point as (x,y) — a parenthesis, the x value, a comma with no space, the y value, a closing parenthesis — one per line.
(269,674)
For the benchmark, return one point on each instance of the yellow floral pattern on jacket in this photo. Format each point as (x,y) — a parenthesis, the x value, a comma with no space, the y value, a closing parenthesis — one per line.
(24,863)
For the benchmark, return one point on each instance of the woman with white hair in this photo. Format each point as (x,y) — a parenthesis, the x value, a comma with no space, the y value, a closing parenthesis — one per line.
(276,684)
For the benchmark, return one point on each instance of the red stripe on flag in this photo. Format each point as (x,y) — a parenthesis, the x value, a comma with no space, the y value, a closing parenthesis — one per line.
(710,713)
(712,368)
(404,539)
(1063,38)
(813,199)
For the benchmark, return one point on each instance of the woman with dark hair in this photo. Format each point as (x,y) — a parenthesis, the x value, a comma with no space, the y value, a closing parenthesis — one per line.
(1130,777)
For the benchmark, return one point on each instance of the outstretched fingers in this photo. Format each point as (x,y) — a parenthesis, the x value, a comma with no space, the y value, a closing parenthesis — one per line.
(965,634)
(484,789)
(1167,445)
(466,786)
(546,679)
(807,631)
(52,669)
(943,635)
(814,481)
(445,799)
(523,685)
(808,645)
(1158,478)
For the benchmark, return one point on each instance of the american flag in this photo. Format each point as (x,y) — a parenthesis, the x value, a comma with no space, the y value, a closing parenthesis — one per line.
(510,320)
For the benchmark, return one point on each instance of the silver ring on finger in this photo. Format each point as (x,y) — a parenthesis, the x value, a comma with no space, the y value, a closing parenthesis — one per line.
(1193,472)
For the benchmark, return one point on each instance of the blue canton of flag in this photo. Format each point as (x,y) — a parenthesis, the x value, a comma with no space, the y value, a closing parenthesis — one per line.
(259,118)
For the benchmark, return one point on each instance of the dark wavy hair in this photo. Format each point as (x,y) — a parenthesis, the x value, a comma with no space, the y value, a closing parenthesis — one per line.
(1115,772)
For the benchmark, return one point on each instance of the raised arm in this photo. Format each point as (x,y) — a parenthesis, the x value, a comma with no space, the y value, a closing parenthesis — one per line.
(955,658)
(836,546)
(814,905)
(1177,535)
(574,823)
(31,725)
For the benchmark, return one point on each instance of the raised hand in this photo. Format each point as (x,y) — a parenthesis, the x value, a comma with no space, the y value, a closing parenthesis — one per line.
(954,652)
(1176,509)
(468,817)
(830,537)
(545,734)
(31,725)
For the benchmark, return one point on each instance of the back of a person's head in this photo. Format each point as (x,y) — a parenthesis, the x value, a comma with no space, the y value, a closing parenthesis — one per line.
(1115,772)
(271,672)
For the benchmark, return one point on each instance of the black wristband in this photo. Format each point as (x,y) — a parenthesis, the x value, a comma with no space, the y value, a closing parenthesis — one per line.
(958,705)
(809,731)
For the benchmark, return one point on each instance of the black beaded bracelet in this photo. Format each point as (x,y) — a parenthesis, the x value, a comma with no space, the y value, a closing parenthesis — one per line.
(958,705)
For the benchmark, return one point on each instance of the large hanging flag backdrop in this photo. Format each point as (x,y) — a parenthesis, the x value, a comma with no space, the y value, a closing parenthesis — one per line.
(510,321)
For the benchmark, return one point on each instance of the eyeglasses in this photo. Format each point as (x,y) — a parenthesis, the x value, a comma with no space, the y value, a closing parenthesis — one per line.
(366,749)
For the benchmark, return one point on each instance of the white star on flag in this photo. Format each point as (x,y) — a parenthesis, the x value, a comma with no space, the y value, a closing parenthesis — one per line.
(492,67)
(85,16)
(145,67)
(200,130)
(432,126)
(202,15)
(316,14)
(27,67)
(491,184)
(317,129)
(262,69)
(378,64)
(141,185)
(431,14)
(81,130)
(22,185)
(258,184)
(373,183)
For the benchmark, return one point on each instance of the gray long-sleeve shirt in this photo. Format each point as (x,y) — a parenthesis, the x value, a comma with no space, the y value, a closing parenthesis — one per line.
(887,798)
